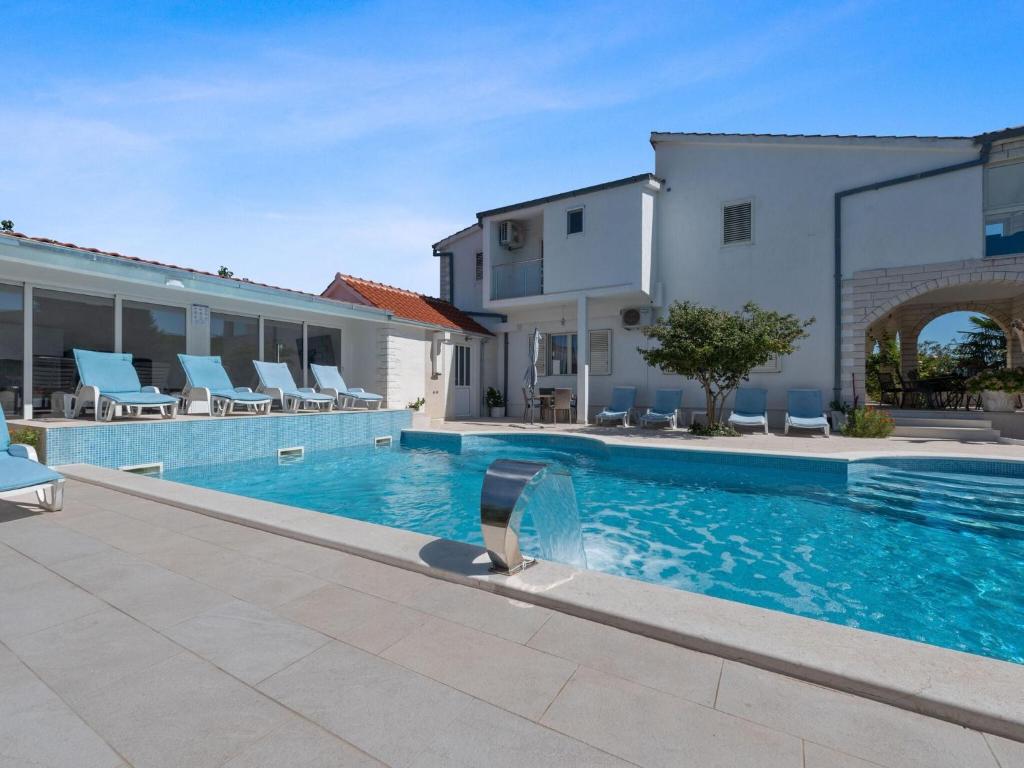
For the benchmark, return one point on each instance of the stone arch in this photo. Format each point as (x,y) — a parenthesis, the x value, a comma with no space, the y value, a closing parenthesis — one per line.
(936,284)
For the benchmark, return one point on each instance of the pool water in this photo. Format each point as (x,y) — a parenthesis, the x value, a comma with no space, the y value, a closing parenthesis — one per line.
(892,546)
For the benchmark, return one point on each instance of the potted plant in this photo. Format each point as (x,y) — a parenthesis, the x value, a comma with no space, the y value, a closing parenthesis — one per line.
(496,403)
(998,388)
(837,412)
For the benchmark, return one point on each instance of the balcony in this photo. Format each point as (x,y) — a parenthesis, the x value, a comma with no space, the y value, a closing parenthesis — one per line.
(517,279)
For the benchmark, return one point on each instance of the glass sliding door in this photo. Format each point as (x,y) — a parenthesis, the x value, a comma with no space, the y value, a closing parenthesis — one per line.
(236,339)
(154,334)
(324,347)
(12,349)
(62,322)
(282,343)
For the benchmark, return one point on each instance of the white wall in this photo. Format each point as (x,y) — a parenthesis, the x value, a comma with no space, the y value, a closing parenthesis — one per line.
(468,291)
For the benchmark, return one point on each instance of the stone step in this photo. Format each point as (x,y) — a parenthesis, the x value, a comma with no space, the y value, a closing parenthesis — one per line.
(962,434)
(910,413)
(929,421)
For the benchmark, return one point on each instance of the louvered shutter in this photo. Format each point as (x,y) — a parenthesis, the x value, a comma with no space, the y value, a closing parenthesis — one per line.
(600,353)
(736,223)
(542,356)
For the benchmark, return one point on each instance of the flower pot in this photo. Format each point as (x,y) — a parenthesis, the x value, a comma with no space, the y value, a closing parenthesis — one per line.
(420,420)
(498,413)
(997,401)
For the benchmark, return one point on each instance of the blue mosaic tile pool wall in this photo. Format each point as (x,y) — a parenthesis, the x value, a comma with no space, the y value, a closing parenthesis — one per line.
(180,443)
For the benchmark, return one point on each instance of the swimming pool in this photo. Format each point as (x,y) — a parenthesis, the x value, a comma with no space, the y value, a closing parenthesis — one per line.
(926,549)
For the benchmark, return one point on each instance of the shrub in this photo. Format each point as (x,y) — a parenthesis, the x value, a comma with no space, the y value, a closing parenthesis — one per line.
(868,422)
(1009,380)
(25,436)
(494,398)
(713,430)
(417,403)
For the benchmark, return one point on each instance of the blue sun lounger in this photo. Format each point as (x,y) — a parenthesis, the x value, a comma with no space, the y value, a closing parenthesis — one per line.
(665,409)
(750,408)
(805,410)
(330,382)
(21,472)
(109,381)
(277,381)
(208,382)
(623,400)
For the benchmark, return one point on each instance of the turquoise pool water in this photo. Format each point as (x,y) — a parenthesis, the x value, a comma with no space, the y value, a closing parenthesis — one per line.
(931,550)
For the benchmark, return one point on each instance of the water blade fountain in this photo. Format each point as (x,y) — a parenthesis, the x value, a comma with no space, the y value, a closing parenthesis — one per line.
(515,488)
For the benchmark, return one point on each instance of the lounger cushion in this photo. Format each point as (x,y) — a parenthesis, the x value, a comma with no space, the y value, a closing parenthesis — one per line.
(23,473)
(139,398)
(111,371)
(655,416)
(240,397)
(749,419)
(809,423)
(359,394)
(316,397)
(206,371)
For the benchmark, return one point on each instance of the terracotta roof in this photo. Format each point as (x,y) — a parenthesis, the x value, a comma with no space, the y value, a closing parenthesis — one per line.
(405,304)
(137,260)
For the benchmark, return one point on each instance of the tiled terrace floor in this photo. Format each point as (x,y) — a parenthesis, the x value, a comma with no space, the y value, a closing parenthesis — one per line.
(134,633)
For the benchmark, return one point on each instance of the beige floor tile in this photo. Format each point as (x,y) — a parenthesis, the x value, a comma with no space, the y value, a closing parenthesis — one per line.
(181,712)
(655,729)
(148,592)
(249,642)
(163,515)
(47,542)
(33,598)
(376,705)
(119,530)
(485,735)
(88,653)
(374,578)
(817,756)
(300,744)
(37,729)
(9,556)
(668,668)
(357,618)
(849,724)
(491,668)
(511,619)
(1010,754)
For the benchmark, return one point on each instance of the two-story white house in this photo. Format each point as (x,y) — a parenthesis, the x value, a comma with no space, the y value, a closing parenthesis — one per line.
(870,235)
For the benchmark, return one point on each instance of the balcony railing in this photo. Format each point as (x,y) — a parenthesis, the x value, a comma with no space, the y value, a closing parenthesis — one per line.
(517,279)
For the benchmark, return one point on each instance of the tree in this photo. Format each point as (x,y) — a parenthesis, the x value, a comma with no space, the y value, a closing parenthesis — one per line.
(984,346)
(225,272)
(719,348)
(6,225)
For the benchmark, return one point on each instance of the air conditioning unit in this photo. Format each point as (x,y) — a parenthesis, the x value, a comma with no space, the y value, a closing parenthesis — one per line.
(636,317)
(510,234)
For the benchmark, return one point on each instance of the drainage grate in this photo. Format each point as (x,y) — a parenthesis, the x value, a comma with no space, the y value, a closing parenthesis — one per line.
(288,455)
(382,442)
(150,470)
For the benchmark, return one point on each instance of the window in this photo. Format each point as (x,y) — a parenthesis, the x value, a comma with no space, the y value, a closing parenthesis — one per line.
(462,366)
(12,348)
(282,343)
(479,266)
(562,351)
(154,335)
(62,322)
(324,346)
(236,339)
(774,365)
(600,353)
(736,223)
(574,221)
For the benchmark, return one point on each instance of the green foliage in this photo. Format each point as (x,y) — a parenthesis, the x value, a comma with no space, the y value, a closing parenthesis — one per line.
(886,357)
(494,398)
(6,225)
(984,346)
(719,348)
(713,430)
(934,359)
(868,422)
(998,380)
(225,272)
(417,403)
(24,435)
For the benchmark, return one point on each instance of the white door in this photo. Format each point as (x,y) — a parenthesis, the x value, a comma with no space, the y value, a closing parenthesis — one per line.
(462,399)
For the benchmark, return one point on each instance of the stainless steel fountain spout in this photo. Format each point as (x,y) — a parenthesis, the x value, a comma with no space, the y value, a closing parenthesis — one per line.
(500,514)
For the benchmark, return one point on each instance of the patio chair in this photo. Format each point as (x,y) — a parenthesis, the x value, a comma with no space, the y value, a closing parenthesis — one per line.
(21,472)
(530,402)
(277,381)
(562,402)
(330,382)
(108,381)
(805,411)
(750,408)
(665,409)
(623,400)
(208,382)
(890,389)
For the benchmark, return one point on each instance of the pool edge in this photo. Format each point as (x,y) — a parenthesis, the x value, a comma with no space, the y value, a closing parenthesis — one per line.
(970,690)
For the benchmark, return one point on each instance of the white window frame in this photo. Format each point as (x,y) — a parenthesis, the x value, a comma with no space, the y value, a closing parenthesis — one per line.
(549,348)
(721,219)
(583,220)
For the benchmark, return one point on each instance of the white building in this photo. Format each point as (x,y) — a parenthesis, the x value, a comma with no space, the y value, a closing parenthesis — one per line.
(867,234)
(56,296)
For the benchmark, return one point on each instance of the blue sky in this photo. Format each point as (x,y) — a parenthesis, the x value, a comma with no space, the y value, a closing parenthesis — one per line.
(293,140)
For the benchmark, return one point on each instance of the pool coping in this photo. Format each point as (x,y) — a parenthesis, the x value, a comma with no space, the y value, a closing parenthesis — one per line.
(970,690)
